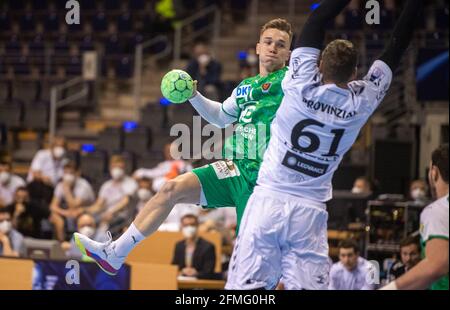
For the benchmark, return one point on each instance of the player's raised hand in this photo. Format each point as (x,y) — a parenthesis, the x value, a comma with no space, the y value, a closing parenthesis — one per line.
(194,89)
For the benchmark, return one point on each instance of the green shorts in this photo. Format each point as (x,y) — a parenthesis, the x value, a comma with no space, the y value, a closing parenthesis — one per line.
(226,184)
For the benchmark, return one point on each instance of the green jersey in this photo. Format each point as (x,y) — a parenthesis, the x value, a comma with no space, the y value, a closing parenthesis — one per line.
(254,104)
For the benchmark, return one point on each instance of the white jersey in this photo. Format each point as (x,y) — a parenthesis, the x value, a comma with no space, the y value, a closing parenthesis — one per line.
(316,125)
(434,220)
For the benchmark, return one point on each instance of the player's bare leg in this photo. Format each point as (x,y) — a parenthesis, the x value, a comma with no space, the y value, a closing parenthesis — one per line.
(111,255)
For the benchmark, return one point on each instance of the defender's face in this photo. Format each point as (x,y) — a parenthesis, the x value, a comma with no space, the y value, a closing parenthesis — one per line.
(273,49)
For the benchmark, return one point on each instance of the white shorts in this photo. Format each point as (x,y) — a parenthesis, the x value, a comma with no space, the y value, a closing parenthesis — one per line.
(280,236)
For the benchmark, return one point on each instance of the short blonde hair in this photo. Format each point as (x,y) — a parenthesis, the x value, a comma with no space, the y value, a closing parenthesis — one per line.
(116,159)
(280,24)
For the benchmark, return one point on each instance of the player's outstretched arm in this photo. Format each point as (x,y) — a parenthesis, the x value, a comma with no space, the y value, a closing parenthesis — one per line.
(313,32)
(402,35)
(211,110)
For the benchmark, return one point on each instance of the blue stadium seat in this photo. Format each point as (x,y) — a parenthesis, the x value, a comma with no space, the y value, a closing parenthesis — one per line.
(13,45)
(61,45)
(11,113)
(137,5)
(110,140)
(93,166)
(137,141)
(51,22)
(17,5)
(74,66)
(112,45)
(22,66)
(89,5)
(124,22)
(353,20)
(37,45)
(112,5)
(27,22)
(124,68)
(36,115)
(87,44)
(441,16)
(5,22)
(40,5)
(99,22)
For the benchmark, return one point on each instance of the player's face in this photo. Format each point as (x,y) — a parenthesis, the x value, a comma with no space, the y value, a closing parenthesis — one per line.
(348,258)
(273,49)
(409,255)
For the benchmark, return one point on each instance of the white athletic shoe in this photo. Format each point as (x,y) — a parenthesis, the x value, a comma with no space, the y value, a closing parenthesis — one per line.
(101,252)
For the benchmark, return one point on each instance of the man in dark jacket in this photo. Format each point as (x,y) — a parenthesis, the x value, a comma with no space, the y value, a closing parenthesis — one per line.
(194,256)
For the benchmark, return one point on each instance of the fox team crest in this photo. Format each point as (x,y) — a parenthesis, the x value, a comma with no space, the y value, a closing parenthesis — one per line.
(266,87)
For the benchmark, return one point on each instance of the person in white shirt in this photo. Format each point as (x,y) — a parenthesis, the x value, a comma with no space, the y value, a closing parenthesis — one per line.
(115,194)
(283,231)
(352,272)
(47,165)
(71,195)
(11,241)
(166,170)
(9,183)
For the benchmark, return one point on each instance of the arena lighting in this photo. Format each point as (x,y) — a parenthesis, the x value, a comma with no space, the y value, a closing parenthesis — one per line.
(88,148)
(314,6)
(242,55)
(129,126)
(164,102)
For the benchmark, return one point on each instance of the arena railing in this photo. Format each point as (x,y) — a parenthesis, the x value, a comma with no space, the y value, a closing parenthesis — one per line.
(180,40)
(139,63)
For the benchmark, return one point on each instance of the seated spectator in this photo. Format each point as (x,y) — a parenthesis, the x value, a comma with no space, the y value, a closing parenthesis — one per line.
(409,257)
(11,241)
(114,196)
(418,192)
(144,192)
(351,272)
(167,170)
(194,256)
(47,165)
(362,185)
(28,213)
(9,183)
(206,70)
(70,196)
(172,222)
(85,225)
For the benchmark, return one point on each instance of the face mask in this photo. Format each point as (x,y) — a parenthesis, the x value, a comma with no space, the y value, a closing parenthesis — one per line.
(117,173)
(144,194)
(252,59)
(58,152)
(356,190)
(68,178)
(4,177)
(417,194)
(88,231)
(204,59)
(5,226)
(189,231)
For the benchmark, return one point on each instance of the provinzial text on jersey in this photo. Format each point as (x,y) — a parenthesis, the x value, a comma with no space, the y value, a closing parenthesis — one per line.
(326,108)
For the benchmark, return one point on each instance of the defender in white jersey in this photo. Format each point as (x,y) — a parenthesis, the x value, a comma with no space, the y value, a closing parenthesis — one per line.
(284,228)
